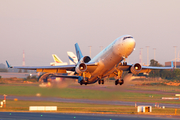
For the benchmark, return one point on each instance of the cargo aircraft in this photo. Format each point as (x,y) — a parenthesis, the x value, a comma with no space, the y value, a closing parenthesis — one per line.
(110,62)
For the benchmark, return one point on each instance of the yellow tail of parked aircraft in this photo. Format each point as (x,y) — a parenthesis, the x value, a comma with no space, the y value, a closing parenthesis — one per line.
(110,62)
(57,61)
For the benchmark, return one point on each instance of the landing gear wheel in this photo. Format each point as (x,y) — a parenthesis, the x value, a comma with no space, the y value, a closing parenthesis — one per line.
(116,82)
(102,81)
(124,63)
(121,82)
(99,81)
(81,83)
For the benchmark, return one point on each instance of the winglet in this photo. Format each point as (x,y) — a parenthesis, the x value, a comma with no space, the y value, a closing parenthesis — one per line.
(172,65)
(8,64)
(78,52)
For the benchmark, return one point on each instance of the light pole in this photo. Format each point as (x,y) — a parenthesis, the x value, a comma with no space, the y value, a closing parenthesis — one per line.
(154,53)
(175,55)
(141,57)
(101,47)
(90,51)
(23,58)
(178,56)
(147,55)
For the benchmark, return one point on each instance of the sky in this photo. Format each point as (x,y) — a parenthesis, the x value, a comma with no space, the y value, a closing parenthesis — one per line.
(44,27)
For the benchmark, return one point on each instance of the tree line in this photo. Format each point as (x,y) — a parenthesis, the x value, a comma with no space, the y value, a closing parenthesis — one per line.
(164,74)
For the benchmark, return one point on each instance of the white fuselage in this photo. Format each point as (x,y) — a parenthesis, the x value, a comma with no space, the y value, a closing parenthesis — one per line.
(58,64)
(113,54)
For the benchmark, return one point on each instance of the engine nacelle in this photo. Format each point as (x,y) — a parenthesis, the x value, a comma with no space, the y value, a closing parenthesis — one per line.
(81,68)
(136,68)
(85,59)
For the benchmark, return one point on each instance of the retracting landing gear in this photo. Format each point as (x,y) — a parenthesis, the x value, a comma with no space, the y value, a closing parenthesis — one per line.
(124,63)
(83,79)
(101,81)
(44,78)
(118,81)
(83,82)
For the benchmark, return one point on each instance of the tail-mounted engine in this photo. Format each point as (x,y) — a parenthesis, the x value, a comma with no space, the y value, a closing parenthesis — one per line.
(81,68)
(136,68)
(85,59)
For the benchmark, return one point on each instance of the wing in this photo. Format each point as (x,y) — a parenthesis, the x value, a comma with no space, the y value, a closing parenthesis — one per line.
(137,68)
(52,69)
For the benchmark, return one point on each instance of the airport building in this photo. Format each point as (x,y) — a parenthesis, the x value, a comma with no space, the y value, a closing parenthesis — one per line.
(168,64)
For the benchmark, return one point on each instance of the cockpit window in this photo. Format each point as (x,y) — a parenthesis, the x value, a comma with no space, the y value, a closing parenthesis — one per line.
(127,37)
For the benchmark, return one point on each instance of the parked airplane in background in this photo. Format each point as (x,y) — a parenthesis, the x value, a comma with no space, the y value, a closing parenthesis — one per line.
(57,61)
(72,58)
(110,62)
(72,61)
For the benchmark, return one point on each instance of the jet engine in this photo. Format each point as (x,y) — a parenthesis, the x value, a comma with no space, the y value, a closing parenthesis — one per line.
(136,68)
(85,59)
(81,68)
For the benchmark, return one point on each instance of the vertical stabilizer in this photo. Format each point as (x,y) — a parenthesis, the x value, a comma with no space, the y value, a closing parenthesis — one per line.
(56,58)
(78,52)
(172,65)
(8,64)
(72,58)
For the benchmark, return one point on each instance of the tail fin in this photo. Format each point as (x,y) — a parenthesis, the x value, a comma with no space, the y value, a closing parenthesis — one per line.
(78,52)
(172,65)
(72,58)
(8,64)
(56,58)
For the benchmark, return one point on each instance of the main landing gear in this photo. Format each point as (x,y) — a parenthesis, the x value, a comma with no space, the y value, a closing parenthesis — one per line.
(83,82)
(118,81)
(101,81)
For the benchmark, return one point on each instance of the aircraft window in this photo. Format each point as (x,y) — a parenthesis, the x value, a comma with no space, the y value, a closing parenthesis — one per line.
(127,37)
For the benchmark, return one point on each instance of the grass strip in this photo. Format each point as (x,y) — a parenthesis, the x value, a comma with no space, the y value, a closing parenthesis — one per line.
(83,108)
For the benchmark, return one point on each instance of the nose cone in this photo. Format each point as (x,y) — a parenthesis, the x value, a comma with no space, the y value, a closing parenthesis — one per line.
(130,42)
(128,45)
(125,46)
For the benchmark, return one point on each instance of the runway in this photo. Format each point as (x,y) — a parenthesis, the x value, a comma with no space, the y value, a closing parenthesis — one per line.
(54,99)
(61,116)
(18,75)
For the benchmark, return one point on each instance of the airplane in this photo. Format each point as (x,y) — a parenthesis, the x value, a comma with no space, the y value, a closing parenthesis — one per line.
(110,62)
(72,61)
(57,61)
(72,58)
